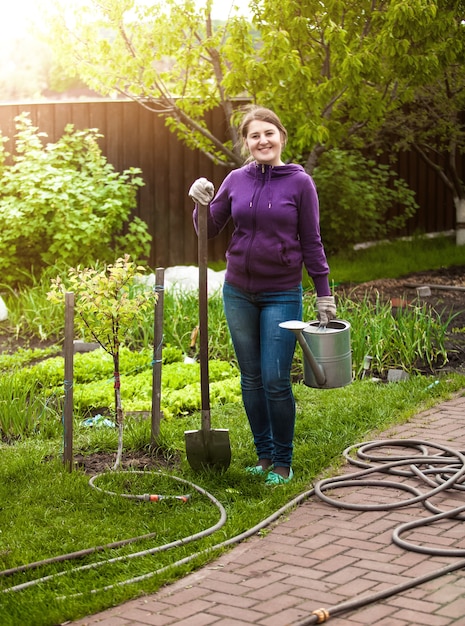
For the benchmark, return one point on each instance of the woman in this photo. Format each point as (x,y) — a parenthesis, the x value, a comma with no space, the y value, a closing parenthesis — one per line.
(274,208)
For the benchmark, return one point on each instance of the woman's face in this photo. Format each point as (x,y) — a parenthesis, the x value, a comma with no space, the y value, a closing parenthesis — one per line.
(264,142)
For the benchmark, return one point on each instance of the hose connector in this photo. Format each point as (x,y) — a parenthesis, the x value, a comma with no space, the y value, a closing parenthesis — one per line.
(157,497)
(322,615)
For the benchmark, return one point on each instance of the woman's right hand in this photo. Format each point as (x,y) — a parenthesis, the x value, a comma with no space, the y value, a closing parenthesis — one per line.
(202,191)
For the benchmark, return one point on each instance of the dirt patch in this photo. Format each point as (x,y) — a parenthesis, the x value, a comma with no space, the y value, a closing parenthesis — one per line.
(443,291)
(9,343)
(100,462)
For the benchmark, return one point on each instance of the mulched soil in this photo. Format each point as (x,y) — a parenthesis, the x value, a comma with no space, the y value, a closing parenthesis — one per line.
(446,298)
(100,462)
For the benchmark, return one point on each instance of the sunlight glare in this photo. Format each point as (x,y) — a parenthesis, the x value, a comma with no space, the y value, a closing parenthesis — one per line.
(19,18)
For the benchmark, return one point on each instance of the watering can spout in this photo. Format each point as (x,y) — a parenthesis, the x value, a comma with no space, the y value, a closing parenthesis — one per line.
(328,358)
(297,327)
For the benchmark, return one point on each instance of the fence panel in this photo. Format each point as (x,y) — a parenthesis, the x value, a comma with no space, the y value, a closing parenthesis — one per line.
(136,137)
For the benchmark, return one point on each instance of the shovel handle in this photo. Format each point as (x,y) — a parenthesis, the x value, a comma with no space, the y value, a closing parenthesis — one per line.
(203,314)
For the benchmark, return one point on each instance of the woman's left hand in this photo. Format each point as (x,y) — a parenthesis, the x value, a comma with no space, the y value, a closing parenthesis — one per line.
(326,306)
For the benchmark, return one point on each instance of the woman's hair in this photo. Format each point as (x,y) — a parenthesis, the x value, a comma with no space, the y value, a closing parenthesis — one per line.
(262,114)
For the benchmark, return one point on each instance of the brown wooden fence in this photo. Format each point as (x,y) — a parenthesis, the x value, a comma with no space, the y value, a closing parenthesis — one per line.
(136,137)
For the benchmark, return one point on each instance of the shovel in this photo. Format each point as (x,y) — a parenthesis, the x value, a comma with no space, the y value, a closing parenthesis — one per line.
(205,448)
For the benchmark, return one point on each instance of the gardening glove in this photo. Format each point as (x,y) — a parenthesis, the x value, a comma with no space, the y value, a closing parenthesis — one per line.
(326,306)
(202,191)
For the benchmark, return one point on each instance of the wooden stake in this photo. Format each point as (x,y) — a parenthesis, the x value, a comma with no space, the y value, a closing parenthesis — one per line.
(157,354)
(68,407)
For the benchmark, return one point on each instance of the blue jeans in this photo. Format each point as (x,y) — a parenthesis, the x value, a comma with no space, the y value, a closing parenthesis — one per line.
(264,352)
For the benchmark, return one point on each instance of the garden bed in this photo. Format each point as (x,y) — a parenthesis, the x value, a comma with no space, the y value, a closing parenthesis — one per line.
(447,297)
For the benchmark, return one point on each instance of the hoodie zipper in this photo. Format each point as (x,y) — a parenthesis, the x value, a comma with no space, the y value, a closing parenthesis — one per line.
(253,206)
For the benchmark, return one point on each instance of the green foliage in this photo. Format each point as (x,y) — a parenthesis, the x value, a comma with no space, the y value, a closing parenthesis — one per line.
(411,340)
(24,410)
(30,312)
(93,389)
(93,380)
(166,54)
(32,315)
(63,203)
(108,300)
(25,356)
(333,69)
(355,196)
(336,71)
(341,75)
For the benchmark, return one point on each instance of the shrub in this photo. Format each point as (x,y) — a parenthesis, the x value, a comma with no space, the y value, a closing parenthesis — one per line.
(63,203)
(355,196)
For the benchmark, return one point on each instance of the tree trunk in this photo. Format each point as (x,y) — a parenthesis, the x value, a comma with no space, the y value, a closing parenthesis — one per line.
(312,159)
(118,411)
(460,219)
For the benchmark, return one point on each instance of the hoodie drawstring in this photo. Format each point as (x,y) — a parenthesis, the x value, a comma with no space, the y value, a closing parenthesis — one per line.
(266,170)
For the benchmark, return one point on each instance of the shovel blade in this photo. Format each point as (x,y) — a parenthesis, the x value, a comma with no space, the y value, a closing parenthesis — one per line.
(208,448)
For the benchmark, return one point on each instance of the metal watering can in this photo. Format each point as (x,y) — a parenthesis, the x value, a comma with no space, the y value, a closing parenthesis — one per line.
(327,352)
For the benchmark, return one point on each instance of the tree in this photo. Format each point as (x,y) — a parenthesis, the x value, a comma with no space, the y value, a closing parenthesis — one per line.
(167,55)
(335,71)
(433,123)
(360,70)
(108,301)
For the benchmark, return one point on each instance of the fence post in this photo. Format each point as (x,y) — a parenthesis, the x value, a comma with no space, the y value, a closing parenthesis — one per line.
(68,405)
(157,354)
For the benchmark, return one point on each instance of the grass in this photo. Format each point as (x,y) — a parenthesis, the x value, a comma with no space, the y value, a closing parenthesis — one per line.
(48,511)
(396,259)
(64,514)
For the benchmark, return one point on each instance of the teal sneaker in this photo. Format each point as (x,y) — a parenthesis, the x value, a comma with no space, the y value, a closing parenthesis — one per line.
(276,479)
(256,470)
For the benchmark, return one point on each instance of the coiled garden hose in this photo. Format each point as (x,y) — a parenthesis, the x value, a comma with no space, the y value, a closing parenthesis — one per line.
(440,467)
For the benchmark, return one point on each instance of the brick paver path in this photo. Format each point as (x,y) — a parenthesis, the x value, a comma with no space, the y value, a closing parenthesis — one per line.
(320,556)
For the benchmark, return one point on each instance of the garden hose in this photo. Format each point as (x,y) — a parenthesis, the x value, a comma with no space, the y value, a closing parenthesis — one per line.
(447,467)
(319,616)
(149,497)
(439,467)
(150,551)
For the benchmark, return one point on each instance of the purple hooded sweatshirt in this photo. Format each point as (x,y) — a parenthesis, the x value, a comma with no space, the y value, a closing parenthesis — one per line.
(276,228)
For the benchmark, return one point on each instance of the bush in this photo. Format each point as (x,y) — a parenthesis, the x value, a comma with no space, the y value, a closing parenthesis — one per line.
(355,196)
(63,203)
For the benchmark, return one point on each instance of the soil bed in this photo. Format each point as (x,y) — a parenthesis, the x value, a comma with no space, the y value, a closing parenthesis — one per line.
(446,298)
